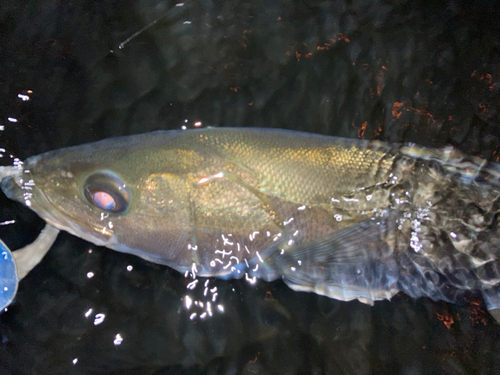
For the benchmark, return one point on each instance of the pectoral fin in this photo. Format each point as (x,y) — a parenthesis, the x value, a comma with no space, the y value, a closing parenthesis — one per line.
(353,263)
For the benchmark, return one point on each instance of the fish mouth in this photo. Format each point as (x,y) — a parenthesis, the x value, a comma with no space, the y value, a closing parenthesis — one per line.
(33,197)
(11,186)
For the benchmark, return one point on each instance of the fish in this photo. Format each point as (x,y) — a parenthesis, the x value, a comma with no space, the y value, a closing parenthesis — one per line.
(350,219)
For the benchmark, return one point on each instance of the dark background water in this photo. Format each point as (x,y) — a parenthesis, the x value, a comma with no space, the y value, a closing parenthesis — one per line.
(425,72)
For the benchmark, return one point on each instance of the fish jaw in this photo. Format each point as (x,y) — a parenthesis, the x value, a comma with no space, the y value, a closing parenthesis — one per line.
(12,187)
(19,187)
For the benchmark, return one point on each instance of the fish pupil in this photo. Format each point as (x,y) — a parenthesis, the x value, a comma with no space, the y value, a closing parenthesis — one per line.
(104,200)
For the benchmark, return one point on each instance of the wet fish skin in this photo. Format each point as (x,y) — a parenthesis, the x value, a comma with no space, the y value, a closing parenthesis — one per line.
(347,218)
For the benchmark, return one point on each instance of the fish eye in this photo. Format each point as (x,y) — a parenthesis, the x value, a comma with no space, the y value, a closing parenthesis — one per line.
(107,192)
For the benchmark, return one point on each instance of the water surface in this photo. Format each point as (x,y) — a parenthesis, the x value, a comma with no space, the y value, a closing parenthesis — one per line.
(425,72)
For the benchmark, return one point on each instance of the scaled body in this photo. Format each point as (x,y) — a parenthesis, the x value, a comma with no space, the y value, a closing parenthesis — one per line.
(350,219)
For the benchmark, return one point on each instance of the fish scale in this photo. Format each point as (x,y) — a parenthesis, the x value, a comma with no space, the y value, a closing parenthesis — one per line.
(346,218)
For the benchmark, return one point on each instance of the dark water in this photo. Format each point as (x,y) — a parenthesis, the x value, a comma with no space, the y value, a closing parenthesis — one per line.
(425,72)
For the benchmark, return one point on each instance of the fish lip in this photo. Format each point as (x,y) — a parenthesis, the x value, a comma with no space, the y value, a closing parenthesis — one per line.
(11,188)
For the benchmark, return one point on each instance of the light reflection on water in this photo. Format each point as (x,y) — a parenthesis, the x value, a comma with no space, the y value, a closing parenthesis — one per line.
(356,70)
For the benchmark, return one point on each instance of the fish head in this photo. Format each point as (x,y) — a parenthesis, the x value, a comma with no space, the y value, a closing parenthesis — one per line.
(173,198)
(118,193)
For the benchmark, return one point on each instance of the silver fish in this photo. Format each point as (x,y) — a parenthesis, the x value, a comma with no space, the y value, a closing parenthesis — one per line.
(345,218)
